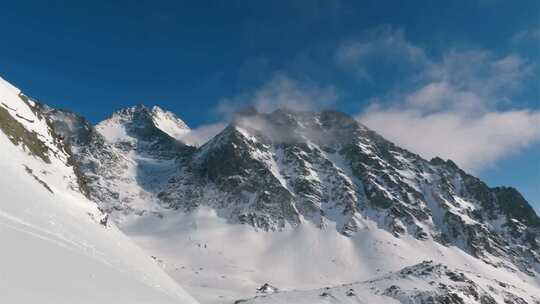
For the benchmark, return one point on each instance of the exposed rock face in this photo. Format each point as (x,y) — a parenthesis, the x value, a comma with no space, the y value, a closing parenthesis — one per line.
(124,158)
(278,170)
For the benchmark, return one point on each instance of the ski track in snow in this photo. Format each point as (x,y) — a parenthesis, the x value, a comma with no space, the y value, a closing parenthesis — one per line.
(20,225)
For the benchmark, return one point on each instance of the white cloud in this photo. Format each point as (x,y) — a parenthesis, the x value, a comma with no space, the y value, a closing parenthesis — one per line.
(281,92)
(383,40)
(527,36)
(435,96)
(453,108)
(383,45)
(472,142)
(479,72)
(199,136)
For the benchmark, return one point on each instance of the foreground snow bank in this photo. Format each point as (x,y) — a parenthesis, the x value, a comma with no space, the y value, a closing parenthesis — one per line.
(55,245)
(55,251)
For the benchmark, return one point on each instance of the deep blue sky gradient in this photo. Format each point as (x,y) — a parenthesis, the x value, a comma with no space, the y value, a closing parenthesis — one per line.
(94,57)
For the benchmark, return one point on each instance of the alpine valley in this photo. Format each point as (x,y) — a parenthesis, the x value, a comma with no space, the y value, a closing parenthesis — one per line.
(282,207)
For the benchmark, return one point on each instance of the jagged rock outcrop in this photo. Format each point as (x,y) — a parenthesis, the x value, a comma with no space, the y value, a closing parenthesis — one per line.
(123,159)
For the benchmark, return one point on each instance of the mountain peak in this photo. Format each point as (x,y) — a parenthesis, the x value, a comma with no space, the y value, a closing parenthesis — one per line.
(169,123)
(138,108)
(141,117)
(285,125)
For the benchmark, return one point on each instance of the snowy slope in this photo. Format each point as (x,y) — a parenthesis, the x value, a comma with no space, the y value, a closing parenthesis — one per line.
(119,127)
(169,123)
(219,262)
(56,245)
(427,282)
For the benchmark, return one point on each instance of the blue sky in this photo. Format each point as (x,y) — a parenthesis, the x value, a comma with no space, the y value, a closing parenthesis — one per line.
(455,78)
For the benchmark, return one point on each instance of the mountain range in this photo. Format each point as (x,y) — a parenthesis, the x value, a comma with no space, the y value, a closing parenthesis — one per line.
(281,207)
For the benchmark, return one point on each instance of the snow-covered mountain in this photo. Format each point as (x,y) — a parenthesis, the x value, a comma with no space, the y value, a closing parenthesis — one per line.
(57,247)
(301,200)
(169,123)
(141,123)
(126,157)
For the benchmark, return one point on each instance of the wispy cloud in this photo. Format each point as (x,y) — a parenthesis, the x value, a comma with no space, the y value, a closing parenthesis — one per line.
(383,40)
(375,48)
(281,92)
(199,136)
(473,142)
(526,36)
(454,106)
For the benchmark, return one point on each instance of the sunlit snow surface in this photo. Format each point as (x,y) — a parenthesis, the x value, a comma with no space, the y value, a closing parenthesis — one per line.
(219,262)
(54,250)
